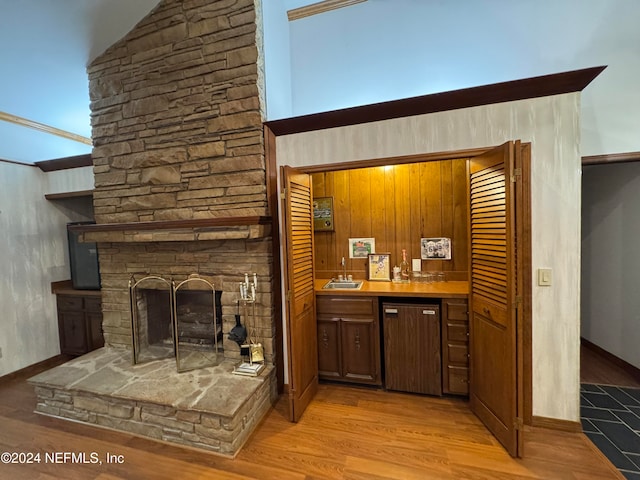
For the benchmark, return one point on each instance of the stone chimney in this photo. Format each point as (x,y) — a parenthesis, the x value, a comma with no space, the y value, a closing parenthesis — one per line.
(180,178)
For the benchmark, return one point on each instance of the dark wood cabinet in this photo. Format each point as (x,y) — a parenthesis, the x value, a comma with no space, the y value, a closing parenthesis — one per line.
(348,339)
(412,347)
(455,346)
(79,322)
(329,346)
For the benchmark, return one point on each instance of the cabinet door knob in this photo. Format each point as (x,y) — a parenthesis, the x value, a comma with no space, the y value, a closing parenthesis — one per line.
(428,312)
(390,310)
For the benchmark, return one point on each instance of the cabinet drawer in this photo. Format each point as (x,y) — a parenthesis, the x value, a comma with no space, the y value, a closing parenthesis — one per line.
(92,304)
(344,305)
(458,331)
(489,311)
(458,380)
(457,311)
(69,303)
(458,353)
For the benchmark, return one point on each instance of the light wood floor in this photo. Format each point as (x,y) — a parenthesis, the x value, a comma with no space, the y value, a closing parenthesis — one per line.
(346,433)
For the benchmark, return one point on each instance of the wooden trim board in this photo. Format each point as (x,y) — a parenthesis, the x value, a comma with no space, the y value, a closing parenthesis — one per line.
(627,367)
(65,163)
(556,424)
(611,158)
(319,7)
(36,368)
(172,224)
(25,122)
(534,87)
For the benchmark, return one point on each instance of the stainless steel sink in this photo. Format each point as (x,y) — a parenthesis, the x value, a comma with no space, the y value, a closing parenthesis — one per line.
(343,285)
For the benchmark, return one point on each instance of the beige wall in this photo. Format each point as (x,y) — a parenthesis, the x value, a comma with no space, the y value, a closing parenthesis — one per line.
(552,126)
(33,241)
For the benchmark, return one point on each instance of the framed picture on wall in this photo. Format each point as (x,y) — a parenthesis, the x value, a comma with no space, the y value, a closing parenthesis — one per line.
(379,266)
(323,214)
(361,247)
(435,248)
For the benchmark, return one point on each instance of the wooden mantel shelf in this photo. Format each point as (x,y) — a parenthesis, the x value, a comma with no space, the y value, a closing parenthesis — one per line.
(222,228)
(173,224)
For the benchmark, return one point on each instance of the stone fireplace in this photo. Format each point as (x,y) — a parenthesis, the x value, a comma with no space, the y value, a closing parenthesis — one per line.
(177,111)
(181,188)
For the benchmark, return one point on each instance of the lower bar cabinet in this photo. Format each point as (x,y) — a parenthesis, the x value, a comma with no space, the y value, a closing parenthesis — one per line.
(412,347)
(348,339)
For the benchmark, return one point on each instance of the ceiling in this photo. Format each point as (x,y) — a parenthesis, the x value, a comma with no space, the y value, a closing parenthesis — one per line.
(44,75)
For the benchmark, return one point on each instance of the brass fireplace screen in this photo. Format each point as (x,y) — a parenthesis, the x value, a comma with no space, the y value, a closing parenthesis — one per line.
(181,320)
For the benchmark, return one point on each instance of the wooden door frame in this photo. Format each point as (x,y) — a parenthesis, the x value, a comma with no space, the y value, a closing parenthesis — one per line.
(523,214)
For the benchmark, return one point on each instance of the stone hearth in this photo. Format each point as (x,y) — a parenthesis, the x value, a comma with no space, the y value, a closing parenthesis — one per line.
(209,408)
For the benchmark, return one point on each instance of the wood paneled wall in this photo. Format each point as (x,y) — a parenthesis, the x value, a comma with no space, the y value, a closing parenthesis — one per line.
(397,205)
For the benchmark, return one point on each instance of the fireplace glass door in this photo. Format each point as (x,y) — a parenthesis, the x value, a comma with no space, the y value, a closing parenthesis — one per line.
(151,323)
(195,328)
(176,320)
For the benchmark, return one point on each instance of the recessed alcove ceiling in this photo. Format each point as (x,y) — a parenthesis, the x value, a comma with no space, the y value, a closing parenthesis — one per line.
(47,46)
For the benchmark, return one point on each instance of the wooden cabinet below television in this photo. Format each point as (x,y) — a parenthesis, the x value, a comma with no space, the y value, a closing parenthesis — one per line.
(455,346)
(79,322)
(348,339)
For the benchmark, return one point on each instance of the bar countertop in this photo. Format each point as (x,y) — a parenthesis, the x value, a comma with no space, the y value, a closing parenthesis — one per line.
(455,289)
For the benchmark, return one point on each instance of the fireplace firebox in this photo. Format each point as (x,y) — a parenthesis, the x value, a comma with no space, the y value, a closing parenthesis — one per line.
(181,320)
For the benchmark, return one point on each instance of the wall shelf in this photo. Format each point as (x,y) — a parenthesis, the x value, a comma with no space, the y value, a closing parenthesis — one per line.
(65,195)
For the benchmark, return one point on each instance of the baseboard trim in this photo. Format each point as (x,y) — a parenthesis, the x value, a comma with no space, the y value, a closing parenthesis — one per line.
(627,367)
(36,368)
(556,424)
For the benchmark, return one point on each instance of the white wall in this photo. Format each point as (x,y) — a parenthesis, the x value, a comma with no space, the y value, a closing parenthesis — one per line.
(383,50)
(611,259)
(551,124)
(34,254)
(277,59)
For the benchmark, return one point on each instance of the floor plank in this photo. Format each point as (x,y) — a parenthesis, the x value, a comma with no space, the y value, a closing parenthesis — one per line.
(346,433)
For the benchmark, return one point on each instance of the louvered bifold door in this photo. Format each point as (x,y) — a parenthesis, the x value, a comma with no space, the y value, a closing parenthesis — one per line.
(301,320)
(493,362)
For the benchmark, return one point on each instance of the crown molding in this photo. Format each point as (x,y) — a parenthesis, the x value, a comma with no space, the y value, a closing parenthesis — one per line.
(25,122)
(319,7)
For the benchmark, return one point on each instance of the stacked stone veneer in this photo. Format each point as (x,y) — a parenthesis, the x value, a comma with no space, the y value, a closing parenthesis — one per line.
(218,261)
(177,111)
(219,433)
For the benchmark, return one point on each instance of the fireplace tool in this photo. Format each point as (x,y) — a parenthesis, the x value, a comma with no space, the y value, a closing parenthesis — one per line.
(238,333)
(248,346)
(248,294)
(252,349)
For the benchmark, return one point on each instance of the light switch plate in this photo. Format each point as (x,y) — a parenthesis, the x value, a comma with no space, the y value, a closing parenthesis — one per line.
(544,277)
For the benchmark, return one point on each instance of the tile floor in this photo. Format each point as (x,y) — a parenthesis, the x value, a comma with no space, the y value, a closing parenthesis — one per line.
(611,419)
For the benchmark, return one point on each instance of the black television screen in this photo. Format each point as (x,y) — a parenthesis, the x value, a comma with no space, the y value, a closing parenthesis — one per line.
(85,270)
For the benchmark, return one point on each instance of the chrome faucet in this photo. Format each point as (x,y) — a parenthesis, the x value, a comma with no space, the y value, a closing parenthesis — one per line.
(344,268)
